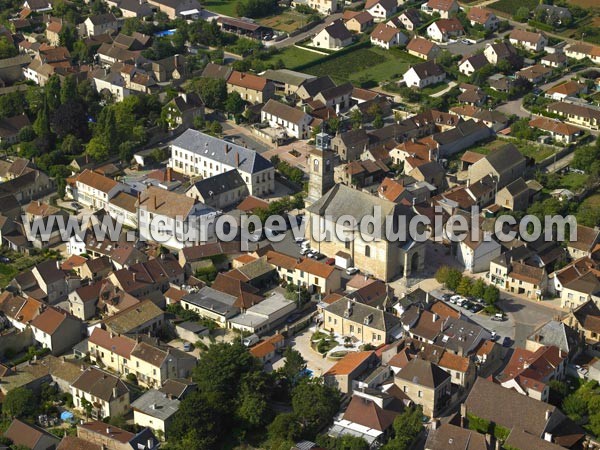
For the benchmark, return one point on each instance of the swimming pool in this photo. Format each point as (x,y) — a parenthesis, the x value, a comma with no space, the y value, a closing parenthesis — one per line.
(165,33)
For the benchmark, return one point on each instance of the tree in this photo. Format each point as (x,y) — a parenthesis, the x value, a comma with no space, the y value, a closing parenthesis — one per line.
(215,128)
(464,287)
(521,14)
(196,423)
(491,295)
(345,442)
(212,91)
(97,149)
(574,406)
(285,426)
(70,118)
(234,103)
(52,92)
(314,404)
(449,277)
(294,364)
(356,119)
(254,394)
(7,50)
(67,36)
(478,288)
(407,427)
(378,122)
(68,89)
(256,8)
(71,145)
(19,402)
(41,125)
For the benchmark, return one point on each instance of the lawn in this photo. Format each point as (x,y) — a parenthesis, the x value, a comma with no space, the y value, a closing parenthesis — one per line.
(226,7)
(532,150)
(287,21)
(294,56)
(510,6)
(573,181)
(7,273)
(365,66)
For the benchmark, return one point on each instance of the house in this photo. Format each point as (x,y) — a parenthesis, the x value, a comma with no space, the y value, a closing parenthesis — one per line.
(139,318)
(110,350)
(505,164)
(471,64)
(103,394)
(528,372)
(184,218)
(325,7)
(483,17)
(11,69)
(314,275)
(37,5)
(56,330)
(422,48)
(557,14)
(445,8)
(514,196)
(134,9)
(344,374)
(585,319)
(252,88)
(286,81)
(424,74)
(556,334)
(443,29)
(100,24)
(333,37)
(219,191)
(585,116)
(337,98)
(152,364)
(94,190)
(310,88)
(114,438)
(555,60)
(294,121)
(533,42)
(183,109)
(381,10)
(560,131)
(366,323)
(425,384)
(535,74)
(500,51)
(580,50)
(561,91)
(217,71)
(46,281)
(370,415)
(476,254)
(584,243)
(174,9)
(409,19)
(430,172)
(358,21)
(387,37)
(349,145)
(515,272)
(263,316)
(440,438)
(194,153)
(212,304)
(381,258)
(11,126)
(30,436)
(155,410)
(265,350)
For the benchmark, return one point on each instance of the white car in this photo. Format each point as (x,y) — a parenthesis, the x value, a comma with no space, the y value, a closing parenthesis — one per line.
(300,240)
(305,250)
(351,270)
(455,298)
(465,41)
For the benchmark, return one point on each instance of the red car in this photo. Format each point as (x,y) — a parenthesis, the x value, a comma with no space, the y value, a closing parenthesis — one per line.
(330,261)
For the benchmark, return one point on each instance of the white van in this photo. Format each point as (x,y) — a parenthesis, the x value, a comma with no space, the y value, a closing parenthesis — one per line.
(251,340)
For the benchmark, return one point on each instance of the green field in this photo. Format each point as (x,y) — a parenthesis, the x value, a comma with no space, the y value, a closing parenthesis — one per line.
(226,7)
(7,273)
(574,181)
(511,6)
(365,65)
(294,56)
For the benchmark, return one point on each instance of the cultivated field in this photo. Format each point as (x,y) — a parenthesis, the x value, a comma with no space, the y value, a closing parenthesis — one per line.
(287,21)
(510,6)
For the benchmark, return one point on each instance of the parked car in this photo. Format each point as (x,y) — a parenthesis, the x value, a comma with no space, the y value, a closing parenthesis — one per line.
(305,250)
(351,270)
(455,298)
(251,340)
(330,261)
(467,305)
(300,240)
(475,308)
(293,317)
(494,336)
(318,256)
(506,342)
(499,317)
(187,347)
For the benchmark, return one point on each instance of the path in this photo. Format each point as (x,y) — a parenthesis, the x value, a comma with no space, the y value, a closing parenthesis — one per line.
(443,91)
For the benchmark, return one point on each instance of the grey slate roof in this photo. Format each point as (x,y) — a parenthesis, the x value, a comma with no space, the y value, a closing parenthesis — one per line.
(156,404)
(558,334)
(381,320)
(214,148)
(219,184)
(287,76)
(212,300)
(423,372)
(316,85)
(503,157)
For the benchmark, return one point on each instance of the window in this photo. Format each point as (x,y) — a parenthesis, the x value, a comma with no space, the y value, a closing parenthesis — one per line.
(420,394)
(368,251)
(351,328)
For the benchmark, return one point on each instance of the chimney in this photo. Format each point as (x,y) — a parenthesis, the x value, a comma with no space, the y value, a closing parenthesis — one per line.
(237,159)
(227,148)
(107,430)
(115,393)
(150,443)
(434,317)
(58,265)
(133,275)
(548,414)
(155,202)
(169,174)
(139,196)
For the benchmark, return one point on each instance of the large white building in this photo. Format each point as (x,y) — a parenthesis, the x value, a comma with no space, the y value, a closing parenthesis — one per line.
(200,155)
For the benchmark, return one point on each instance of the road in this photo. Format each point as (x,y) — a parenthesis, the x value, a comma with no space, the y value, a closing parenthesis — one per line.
(561,163)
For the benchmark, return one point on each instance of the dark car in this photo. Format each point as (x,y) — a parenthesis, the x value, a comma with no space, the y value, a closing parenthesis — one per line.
(506,342)
(4,259)
(467,305)
(476,308)
(293,317)
(446,297)
(330,261)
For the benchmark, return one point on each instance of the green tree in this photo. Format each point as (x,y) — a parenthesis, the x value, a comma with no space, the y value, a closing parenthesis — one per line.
(254,395)
(378,122)
(449,277)
(97,149)
(574,406)
(67,36)
(407,427)
(356,119)
(68,89)
(521,14)
(234,103)
(19,402)
(41,125)
(52,92)
(294,364)
(491,295)
(7,50)
(314,404)
(464,287)
(478,288)
(212,91)
(284,427)
(71,145)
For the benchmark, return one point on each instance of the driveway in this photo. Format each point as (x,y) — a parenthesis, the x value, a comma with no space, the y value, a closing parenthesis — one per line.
(314,361)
